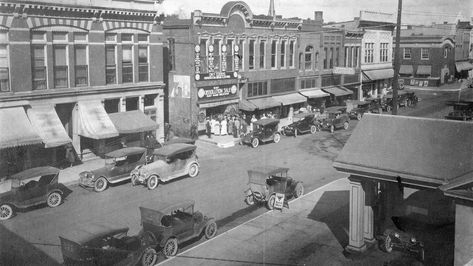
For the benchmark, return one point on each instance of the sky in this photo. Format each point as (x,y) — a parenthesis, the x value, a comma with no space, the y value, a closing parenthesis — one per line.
(414,11)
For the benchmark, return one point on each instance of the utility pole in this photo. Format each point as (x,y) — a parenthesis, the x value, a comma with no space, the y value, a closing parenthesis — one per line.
(397,57)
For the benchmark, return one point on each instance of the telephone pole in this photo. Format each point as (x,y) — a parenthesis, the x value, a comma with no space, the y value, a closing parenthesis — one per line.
(397,57)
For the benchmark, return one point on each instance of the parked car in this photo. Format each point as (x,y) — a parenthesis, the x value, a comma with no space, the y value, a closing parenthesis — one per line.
(405,98)
(336,118)
(398,240)
(303,123)
(264,130)
(118,165)
(462,110)
(265,182)
(96,244)
(29,188)
(361,107)
(169,162)
(175,224)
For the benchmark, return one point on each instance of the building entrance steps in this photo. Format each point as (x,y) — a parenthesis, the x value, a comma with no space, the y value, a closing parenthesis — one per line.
(225,141)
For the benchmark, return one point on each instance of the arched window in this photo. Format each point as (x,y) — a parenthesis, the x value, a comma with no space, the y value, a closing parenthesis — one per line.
(308,57)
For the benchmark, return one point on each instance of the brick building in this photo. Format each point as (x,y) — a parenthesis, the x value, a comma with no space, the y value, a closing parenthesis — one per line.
(65,68)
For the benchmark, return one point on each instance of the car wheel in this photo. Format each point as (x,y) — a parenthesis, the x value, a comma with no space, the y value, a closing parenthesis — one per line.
(255,143)
(193,170)
(387,244)
(332,128)
(101,184)
(271,201)
(296,132)
(54,199)
(421,254)
(299,190)
(250,200)
(358,116)
(211,230)
(152,182)
(149,257)
(170,248)
(345,125)
(6,212)
(134,181)
(277,138)
(388,108)
(313,129)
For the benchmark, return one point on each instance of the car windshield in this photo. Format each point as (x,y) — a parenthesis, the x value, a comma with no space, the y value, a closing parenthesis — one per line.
(114,160)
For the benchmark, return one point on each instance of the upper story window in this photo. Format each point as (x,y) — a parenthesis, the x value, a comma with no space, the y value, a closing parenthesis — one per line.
(143,64)
(369,52)
(325,58)
(81,65)
(262,57)
(407,53)
(316,64)
(38,67)
(110,65)
(383,52)
(143,38)
(257,88)
(251,52)
(127,37)
(273,53)
(38,36)
(283,53)
(348,55)
(424,53)
(172,53)
(80,36)
(291,53)
(445,52)
(110,37)
(4,65)
(127,64)
(59,36)
(337,56)
(61,71)
(308,57)
(241,64)
(229,55)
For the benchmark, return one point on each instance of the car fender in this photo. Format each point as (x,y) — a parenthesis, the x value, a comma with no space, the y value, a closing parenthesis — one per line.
(55,190)
(207,221)
(164,239)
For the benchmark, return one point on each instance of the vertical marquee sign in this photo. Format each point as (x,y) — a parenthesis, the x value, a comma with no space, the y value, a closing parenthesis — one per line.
(215,72)
(197,65)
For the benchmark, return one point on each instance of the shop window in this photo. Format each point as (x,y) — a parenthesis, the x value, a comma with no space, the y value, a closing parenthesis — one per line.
(262,55)
(60,67)
(257,88)
(39,68)
(111,105)
(4,65)
(143,64)
(407,53)
(110,65)
(131,103)
(283,85)
(308,83)
(283,53)
(273,53)
(251,52)
(81,66)
(291,53)
(127,64)
(328,81)
(425,53)
(308,57)
(369,52)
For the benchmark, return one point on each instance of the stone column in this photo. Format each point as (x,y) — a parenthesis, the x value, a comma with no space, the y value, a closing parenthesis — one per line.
(356,241)
(368,218)
(75,130)
(141,103)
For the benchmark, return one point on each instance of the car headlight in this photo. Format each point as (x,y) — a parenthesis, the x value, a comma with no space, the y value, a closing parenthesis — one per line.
(413,239)
(396,235)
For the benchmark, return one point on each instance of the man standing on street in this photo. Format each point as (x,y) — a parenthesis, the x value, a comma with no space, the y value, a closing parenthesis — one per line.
(208,127)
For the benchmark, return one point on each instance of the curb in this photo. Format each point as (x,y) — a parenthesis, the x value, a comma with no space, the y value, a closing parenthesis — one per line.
(234,228)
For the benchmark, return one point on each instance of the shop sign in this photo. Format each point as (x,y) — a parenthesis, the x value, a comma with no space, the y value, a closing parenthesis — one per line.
(344,70)
(214,71)
(212,92)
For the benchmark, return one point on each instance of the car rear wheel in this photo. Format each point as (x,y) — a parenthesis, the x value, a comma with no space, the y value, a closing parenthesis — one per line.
(387,244)
(211,230)
(193,170)
(296,132)
(54,199)
(101,184)
(134,180)
(358,116)
(277,138)
(255,143)
(345,125)
(250,200)
(149,257)
(170,248)
(332,128)
(388,108)
(313,129)
(271,201)
(299,190)
(6,212)
(152,182)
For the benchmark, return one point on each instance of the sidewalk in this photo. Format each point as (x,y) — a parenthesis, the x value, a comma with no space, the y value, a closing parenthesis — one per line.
(226,141)
(449,87)
(313,231)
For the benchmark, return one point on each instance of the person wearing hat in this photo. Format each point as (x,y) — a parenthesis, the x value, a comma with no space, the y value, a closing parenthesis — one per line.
(208,127)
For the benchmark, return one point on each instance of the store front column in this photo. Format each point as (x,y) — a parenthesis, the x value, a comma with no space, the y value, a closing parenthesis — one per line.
(356,241)
(141,103)
(122,105)
(368,218)
(75,130)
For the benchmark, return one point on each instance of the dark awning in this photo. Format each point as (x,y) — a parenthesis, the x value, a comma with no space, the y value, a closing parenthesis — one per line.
(406,69)
(378,74)
(404,149)
(338,91)
(132,122)
(48,126)
(217,103)
(264,103)
(16,129)
(313,93)
(464,65)
(246,106)
(424,70)
(291,98)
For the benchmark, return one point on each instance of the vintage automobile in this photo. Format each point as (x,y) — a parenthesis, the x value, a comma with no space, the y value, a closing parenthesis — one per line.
(169,162)
(97,244)
(303,123)
(175,224)
(405,98)
(462,110)
(118,165)
(335,118)
(402,241)
(265,182)
(29,188)
(264,130)
(361,107)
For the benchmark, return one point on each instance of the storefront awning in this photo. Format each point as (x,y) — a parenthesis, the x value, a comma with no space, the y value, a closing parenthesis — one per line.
(246,106)
(406,70)
(338,91)
(313,93)
(378,74)
(48,126)
(424,70)
(217,103)
(94,121)
(132,122)
(465,65)
(16,129)
(291,98)
(265,103)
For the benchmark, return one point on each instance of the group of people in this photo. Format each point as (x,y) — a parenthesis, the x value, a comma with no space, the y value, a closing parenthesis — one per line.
(221,125)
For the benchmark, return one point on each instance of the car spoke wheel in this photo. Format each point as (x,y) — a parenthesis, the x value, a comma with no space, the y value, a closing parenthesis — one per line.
(250,200)
(277,138)
(134,180)
(299,190)
(313,129)
(6,212)
(255,142)
(387,245)
(149,257)
(271,201)
(388,108)
(193,170)
(54,199)
(152,182)
(210,230)
(358,116)
(345,125)
(170,248)
(332,128)
(101,184)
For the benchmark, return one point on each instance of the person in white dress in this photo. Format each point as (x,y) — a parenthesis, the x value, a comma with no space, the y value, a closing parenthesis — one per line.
(216,128)
(223,124)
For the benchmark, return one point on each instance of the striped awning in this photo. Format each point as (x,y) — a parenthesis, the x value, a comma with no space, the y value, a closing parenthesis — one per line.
(338,91)
(265,103)
(15,128)
(424,70)
(94,121)
(48,126)
(246,106)
(132,122)
(406,70)
(378,74)
(463,65)
(291,98)
(313,93)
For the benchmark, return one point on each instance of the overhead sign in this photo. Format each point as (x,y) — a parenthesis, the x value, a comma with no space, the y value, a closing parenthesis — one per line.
(212,92)
(215,69)
(344,70)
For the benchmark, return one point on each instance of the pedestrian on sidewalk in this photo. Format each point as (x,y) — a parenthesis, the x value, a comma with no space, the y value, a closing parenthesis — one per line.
(70,157)
(236,130)
(223,128)
(231,125)
(208,127)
